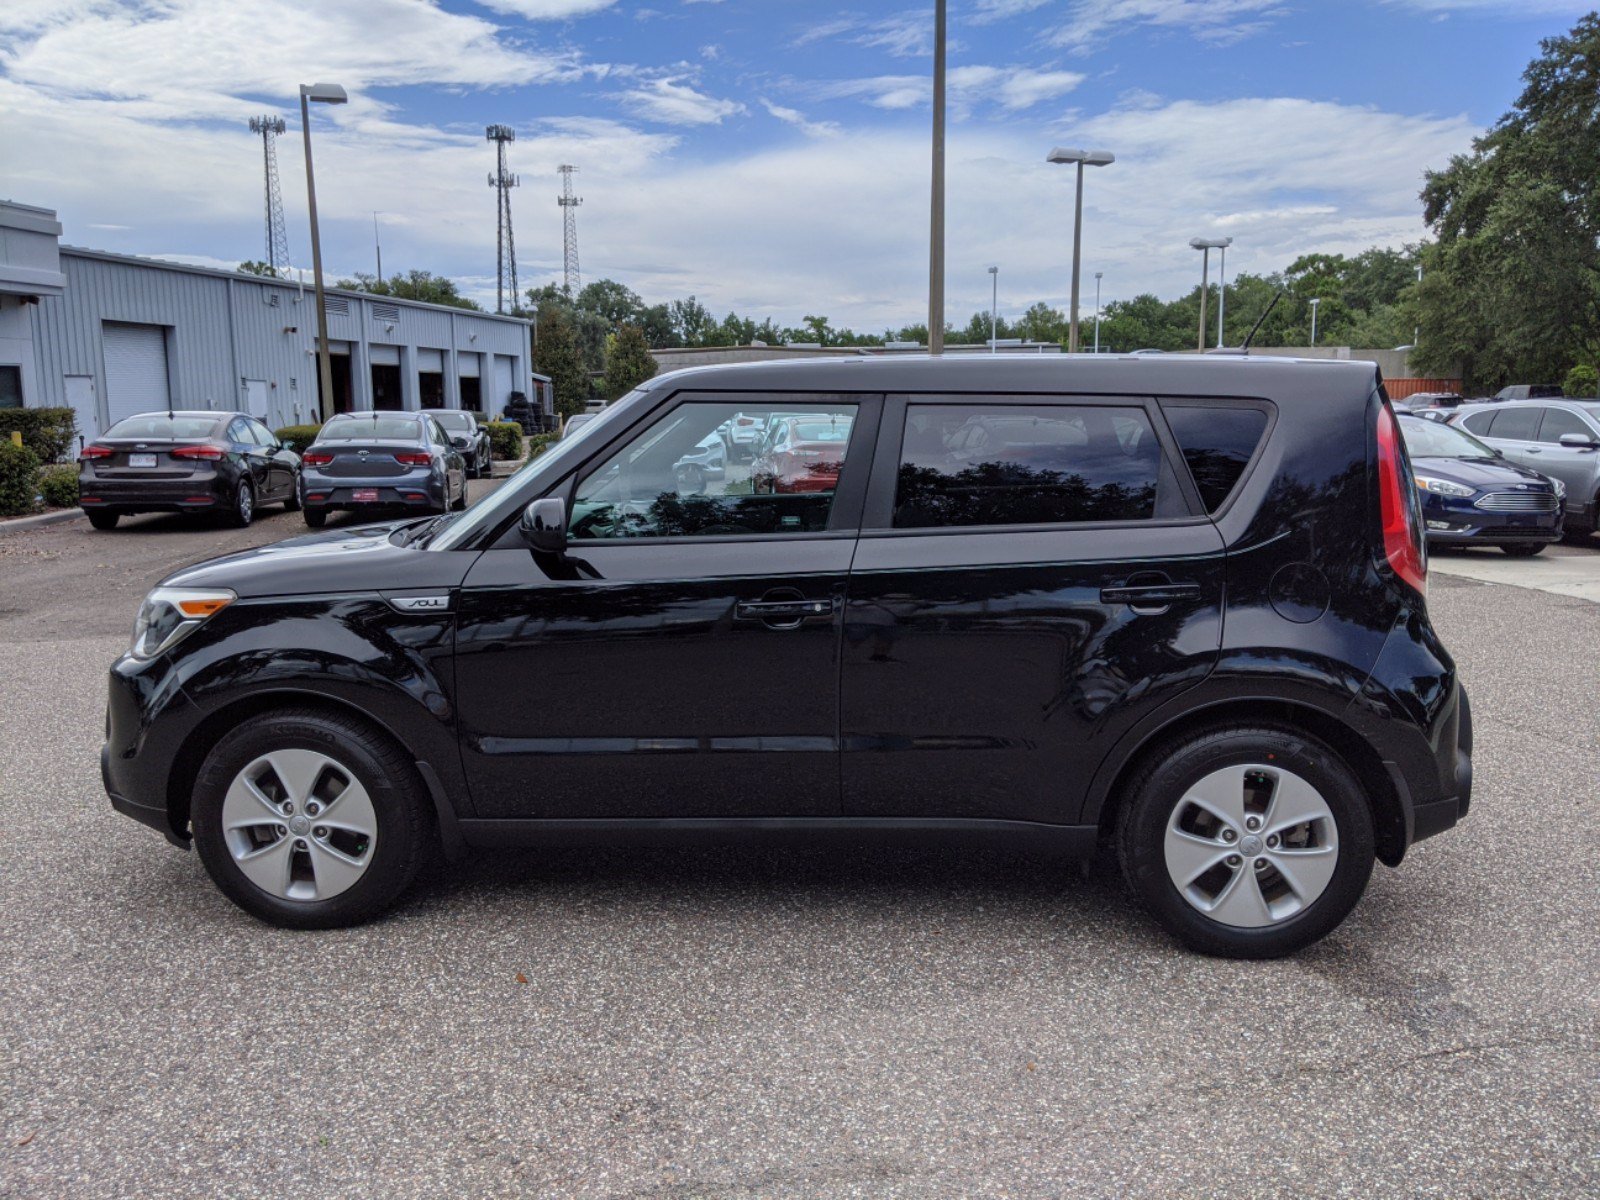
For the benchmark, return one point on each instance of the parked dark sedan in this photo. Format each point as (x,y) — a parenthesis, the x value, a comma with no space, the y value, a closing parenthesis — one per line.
(467,436)
(1472,495)
(186,461)
(381,460)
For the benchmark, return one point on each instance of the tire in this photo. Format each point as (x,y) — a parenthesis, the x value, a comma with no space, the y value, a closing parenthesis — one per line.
(1522,549)
(1155,821)
(101,518)
(315,517)
(291,502)
(1574,536)
(243,510)
(368,787)
(460,501)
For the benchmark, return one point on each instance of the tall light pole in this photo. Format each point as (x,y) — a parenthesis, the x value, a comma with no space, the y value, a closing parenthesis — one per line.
(1084,158)
(1315,300)
(1206,246)
(1098,275)
(994,309)
(322,93)
(1222,290)
(936,216)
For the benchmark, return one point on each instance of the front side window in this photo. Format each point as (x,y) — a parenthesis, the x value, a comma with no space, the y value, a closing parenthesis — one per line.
(678,479)
(986,464)
(1558,421)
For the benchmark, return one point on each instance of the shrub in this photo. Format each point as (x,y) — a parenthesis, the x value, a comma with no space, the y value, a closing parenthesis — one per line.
(48,433)
(1582,380)
(505,439)
(19,479)
(59,486)
(298,437)
(538,443)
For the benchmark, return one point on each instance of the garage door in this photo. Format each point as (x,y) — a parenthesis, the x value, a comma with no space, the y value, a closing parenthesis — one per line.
(136,369)
(502,384)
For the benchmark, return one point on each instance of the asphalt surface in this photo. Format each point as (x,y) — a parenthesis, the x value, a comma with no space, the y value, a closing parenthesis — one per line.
(872,1021)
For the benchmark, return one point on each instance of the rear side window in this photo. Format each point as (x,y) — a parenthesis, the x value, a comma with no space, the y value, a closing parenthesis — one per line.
(1037,464)
(1479,422)
(1519,424)
(1217,443)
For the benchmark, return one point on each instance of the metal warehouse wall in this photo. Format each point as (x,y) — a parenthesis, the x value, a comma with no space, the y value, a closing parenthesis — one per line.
(225,329)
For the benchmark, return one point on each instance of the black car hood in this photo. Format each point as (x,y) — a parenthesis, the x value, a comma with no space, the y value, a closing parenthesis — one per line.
(365,558)
(1478,472)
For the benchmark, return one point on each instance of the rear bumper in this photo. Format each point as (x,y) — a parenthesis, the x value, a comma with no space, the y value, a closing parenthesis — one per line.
(424,491)
(155,495)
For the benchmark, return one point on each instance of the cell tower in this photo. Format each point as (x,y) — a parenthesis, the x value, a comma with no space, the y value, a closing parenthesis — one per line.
(277,240)
(505,270)
(569,229)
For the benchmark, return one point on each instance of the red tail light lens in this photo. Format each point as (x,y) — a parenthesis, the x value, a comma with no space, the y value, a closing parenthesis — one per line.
(316,458)
(420,458)
(1402,539)
(95,452)
(211,453)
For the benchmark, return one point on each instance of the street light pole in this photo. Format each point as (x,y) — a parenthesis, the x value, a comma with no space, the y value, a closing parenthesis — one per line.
(1097,277)
(1222,291)
(936,216)
(1083,158)
(324,93)
(1206,246)
(994,309)
(1315,300)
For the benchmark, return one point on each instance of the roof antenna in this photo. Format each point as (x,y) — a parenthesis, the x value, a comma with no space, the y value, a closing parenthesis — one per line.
(1271,304)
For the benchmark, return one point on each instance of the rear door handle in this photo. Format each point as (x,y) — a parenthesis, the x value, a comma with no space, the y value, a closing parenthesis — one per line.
(783,610)
(1150,594)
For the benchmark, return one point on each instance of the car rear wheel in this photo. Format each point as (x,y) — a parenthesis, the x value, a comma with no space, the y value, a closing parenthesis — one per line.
(291,502)
(101,519)
(315,517)
(309,820)
(243,510)
(1247,843)
(1523,549)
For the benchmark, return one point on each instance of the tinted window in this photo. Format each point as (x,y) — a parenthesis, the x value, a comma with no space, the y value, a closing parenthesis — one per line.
(1025,465)
(1479,422)
(1217,444)
(1558,421)
(675,479)
(361,428)
(159,425)
(1517,423)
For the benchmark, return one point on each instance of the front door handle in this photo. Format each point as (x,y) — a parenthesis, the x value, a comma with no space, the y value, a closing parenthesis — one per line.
(1150,594)
(783,610)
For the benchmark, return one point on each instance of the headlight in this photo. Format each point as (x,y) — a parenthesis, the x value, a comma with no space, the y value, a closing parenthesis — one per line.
(1443,487)
(168,615)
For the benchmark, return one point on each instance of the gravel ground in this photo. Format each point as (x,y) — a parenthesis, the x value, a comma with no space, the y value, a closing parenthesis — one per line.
(871,1022)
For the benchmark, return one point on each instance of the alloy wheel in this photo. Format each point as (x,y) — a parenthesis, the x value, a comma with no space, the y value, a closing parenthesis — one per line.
(299,825)
(1251,845)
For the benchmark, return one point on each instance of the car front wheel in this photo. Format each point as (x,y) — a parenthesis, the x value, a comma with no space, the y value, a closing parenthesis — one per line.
(1247,843)
(1522,549)
(309,820)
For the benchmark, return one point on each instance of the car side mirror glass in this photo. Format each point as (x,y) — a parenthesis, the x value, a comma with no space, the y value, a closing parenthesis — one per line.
(1577,441)
(460,443)
(544,525)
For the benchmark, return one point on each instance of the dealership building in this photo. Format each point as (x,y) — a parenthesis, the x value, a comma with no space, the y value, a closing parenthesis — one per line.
(109,335)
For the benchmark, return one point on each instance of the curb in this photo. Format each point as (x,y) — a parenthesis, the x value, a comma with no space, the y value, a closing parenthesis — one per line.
(38,519)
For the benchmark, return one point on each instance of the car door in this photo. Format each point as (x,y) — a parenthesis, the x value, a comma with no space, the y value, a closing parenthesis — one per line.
(1575,466)
(256,457)
(280,462)
(682,658)
(455,469)
(1514,430)
(1033,576)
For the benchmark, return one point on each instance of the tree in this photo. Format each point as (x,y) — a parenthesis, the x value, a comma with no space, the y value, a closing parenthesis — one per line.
(628,362)
(1511,289)
(556,355)
(618,304)
(413,285)
(254,266)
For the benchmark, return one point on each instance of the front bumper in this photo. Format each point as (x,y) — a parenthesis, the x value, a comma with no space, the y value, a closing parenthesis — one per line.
(1448,521)
(148,719)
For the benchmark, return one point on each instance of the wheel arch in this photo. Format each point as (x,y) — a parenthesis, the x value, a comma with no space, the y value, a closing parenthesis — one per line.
(1108,793)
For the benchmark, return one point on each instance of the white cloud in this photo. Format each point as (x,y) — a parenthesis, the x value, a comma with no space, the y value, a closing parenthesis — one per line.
(793,116)
(904,35)
(547,10)
(1013,88)
(1088,22)
(673,102)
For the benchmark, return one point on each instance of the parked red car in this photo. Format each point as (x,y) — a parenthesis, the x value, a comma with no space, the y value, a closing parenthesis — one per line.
(801,454)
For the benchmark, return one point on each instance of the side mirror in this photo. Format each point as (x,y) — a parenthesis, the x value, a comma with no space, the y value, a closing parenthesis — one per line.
(544,525)
(1577,441)
(460,443)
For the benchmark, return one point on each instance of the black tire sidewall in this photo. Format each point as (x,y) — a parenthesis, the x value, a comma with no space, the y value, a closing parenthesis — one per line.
(402,823)
(315,518)
(238,516)
(103,519)
(1159,787)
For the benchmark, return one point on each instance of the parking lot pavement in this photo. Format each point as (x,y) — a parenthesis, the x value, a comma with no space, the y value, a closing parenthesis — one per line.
(872,1021)
(1563,570)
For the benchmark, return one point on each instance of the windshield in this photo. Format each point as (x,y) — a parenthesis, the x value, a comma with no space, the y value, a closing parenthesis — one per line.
(160,425)
(454,420)
(1429,439)
(349,429)
(517,493)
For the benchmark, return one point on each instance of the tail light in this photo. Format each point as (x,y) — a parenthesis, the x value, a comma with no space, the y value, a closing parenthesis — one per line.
(211,453)
(417,458)
(1402,539)
(95,452)
(316,458)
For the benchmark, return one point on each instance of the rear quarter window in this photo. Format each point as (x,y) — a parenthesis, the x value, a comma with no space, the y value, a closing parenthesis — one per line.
(1217,442)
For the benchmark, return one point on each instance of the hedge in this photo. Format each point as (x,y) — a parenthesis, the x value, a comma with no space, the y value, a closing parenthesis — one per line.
(505,439)
(298,437)
(538,443)
(19,478)
(59,486)
(50,433)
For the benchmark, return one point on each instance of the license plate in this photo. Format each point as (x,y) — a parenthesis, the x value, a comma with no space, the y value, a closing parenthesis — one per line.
(364,494)
(141,460)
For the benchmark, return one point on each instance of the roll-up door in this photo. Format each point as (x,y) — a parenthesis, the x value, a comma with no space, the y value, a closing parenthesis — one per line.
(388,356)
(467,364)
(502,383)
(430,360)
(136,369)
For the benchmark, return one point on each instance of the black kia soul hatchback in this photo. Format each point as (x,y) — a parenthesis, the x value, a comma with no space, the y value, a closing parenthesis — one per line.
(1171,603)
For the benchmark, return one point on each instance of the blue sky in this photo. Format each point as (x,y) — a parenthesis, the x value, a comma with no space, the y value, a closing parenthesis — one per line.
(768,157)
